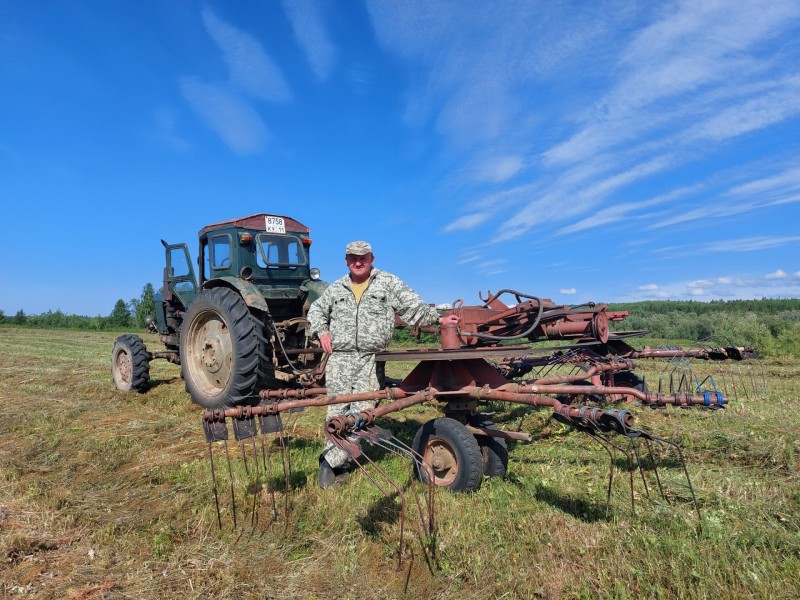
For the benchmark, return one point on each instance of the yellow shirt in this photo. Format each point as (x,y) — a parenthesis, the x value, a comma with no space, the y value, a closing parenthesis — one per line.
(358,289)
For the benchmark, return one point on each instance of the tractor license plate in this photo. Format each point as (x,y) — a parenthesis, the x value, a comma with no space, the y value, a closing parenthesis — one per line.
(274,225)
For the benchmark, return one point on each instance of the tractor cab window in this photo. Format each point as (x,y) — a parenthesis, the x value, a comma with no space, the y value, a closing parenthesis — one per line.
(178,262)
(280,251)
(220,252)
(179,273)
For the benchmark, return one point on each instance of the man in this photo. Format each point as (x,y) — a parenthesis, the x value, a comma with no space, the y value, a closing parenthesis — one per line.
(354,319)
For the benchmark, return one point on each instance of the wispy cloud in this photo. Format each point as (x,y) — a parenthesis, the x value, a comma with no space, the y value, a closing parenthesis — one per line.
(467,222)
(166,130)
(233,119)
(225,106)
(663,85)
(749,244)
(311,34)
(251,68)
(493,267)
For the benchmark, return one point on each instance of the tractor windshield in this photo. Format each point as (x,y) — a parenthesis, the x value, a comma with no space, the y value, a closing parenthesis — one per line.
(277,251)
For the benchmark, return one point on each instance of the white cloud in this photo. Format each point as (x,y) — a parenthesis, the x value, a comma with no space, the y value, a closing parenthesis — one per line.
(251,69)
(497,168)
(779,274)
(469,257)
(568,291)
(753,114)
(491,264)
(662,88)
(750,244)
(467,222)
(778,188)
(649,287)
(309,29)
(239,126)
(699,283)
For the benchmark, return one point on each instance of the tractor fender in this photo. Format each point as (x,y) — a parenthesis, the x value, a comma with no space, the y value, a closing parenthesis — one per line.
(314,288)
(248,291)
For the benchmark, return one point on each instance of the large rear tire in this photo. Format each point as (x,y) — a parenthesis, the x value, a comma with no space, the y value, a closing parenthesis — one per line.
(130,364)
(453,454)
(221,350)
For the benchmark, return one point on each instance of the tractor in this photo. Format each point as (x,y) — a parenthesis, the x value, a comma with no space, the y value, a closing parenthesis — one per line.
(241,326)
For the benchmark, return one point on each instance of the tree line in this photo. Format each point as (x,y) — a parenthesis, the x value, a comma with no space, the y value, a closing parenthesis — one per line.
(771,325)
(129,315)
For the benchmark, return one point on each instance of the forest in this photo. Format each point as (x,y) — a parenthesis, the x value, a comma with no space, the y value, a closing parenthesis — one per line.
(771,325)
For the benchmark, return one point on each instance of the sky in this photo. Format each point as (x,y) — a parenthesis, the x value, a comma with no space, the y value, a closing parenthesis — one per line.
(606,151)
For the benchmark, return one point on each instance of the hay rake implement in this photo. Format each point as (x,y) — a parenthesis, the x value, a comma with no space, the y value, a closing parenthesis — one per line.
(582,384)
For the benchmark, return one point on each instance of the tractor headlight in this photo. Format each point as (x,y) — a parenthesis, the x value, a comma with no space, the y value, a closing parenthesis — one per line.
(314,274)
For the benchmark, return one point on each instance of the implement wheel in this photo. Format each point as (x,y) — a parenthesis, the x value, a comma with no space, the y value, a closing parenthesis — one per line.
(494,451)
(453,454)
(221,350)
(130,364)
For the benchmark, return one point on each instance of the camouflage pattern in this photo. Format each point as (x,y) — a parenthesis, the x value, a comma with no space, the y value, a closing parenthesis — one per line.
(359,248)
(347,373)
(358,331)
(367,327)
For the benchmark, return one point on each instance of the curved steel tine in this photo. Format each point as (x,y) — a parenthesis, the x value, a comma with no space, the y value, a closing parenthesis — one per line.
(421,463)
(630,475)
(256,485)
(287,473)
(214,484)
(383,438)
(655,469)
(635,448)
(396,446)
(602,441)
(230,475)
(268,471)
(630,468)
(685,472)
(353,449)
(244,458)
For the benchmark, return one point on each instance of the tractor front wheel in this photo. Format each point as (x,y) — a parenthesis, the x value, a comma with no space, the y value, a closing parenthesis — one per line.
(130,364)
(452,453)
(221,350)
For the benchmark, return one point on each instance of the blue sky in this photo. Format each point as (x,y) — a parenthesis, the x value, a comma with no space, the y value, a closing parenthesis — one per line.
(605,151)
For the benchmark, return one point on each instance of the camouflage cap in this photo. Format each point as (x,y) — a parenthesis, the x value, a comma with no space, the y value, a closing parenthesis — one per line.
(359,248)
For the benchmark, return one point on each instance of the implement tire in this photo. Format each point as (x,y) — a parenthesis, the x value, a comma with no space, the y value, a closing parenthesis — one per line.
(453,454)
(494,451)
(221,350)
(130,364)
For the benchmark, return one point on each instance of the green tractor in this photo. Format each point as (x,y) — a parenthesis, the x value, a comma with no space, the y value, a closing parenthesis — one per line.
(239,328)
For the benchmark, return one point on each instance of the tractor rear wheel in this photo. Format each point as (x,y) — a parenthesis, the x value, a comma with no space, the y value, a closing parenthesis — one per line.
(222,349)
(130,364)
(453,454)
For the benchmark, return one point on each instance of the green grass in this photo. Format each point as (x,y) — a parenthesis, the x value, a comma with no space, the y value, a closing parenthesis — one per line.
(108,495)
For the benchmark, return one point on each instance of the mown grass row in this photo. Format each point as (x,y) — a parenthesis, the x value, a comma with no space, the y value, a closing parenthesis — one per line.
(104,494)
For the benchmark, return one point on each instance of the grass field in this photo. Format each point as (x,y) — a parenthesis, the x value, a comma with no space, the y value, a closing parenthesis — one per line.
(108,495)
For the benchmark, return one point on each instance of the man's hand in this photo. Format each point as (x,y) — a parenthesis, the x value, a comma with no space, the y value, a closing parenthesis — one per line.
(326,343)
(449,320)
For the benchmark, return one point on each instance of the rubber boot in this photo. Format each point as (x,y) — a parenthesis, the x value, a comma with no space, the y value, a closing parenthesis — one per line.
(326,475)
